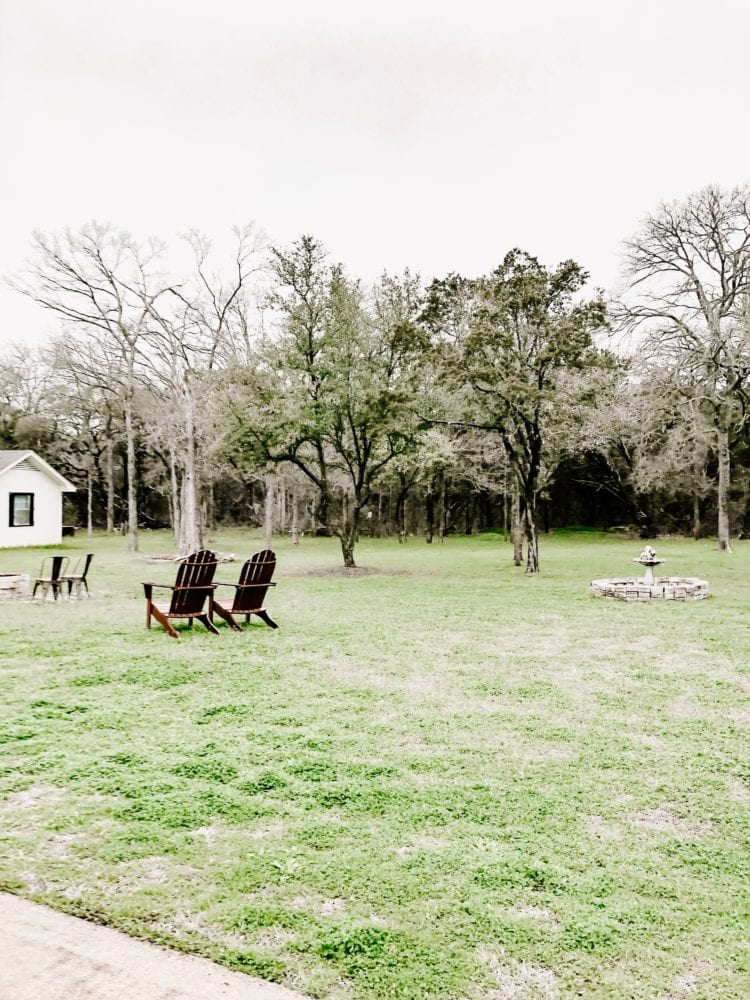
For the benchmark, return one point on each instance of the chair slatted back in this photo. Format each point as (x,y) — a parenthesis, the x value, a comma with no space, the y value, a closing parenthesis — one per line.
(254,582)
(193,583)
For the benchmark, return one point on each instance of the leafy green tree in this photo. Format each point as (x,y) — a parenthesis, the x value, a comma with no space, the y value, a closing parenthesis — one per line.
(514,342)
(333,392)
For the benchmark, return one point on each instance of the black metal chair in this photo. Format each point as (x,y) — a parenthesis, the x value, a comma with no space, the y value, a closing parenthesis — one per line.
(51,576)
(77,576)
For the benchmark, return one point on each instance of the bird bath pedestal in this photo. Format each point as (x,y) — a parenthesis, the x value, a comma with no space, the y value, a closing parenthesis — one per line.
(649,587)
(648,560)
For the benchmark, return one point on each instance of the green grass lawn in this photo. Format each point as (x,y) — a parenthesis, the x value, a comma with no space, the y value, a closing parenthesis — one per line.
(443,779)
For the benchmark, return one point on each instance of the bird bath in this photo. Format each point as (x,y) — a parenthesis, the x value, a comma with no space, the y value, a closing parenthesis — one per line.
(648,559)
(649,587)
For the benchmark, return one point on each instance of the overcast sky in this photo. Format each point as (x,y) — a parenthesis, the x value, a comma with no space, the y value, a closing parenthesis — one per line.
(424,134)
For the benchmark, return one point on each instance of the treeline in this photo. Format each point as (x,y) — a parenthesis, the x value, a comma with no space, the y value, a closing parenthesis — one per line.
(275,389)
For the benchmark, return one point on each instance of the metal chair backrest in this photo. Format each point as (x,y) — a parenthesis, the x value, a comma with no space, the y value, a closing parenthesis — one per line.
(193,583)
(87,563)
(81,567)
(254,582)
(53,567)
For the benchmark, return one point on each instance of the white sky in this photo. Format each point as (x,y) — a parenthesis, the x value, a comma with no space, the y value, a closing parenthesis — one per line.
(416,133)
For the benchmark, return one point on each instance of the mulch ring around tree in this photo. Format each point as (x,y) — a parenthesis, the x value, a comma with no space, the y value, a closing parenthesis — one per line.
(352,571)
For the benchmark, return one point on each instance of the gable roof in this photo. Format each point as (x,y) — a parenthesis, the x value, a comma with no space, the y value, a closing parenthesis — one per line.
(10,459)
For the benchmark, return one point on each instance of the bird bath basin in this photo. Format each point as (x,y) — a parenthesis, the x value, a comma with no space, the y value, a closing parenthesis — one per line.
(650,587)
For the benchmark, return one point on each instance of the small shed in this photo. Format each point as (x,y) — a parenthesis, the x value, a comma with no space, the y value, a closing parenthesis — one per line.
(30,500)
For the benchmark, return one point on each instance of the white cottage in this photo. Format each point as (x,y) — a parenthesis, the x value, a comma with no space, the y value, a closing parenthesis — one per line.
(30,500)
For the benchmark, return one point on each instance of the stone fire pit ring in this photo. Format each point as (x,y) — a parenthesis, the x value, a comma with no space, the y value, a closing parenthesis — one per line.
(664,588)
(14,586)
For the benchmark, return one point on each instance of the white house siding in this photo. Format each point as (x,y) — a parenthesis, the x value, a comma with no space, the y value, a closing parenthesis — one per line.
(47,526)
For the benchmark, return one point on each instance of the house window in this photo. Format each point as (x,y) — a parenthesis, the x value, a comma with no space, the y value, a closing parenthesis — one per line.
(21,510)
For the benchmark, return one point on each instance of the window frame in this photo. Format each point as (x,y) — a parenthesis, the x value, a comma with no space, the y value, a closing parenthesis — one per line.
(12,509)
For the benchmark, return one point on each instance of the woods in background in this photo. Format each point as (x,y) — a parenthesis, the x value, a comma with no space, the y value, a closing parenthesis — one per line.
(273,388)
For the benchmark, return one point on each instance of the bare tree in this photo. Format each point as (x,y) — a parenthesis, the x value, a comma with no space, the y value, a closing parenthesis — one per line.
(191,335)
(689,293)
(90,372)
(100,281)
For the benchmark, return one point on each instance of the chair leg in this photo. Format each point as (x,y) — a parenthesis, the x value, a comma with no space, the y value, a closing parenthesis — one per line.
(226,615)
(264,616)
(205,620)
(163,620)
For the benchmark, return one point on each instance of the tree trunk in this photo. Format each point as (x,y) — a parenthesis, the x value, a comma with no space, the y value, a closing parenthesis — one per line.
(515,529)
(174,500)
(295,517)
(697,526)
(429,503)
(131,474)
(529,527)
(401,511)
(211,505)
(109,467)
(89,502)
(469,515)
(313,519)
(722,451)
(350,533)
(441,510)
(268,511)
(181,541)
(191,531)
(281,520)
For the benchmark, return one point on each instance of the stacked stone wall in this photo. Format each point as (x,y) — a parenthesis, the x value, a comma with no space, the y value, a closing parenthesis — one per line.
(664,588)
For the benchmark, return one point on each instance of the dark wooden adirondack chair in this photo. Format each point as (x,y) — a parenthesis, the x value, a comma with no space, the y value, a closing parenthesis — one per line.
(77,576)
(51,576)
(190,591)
(250,592)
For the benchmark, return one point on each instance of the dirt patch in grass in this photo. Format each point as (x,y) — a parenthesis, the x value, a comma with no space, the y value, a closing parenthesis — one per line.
(329,906)
(688,982)
(421,843)
(540,913)
(58,846)
(663,821)
(34,797)
(599,828)
(518,980)
(738,790)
